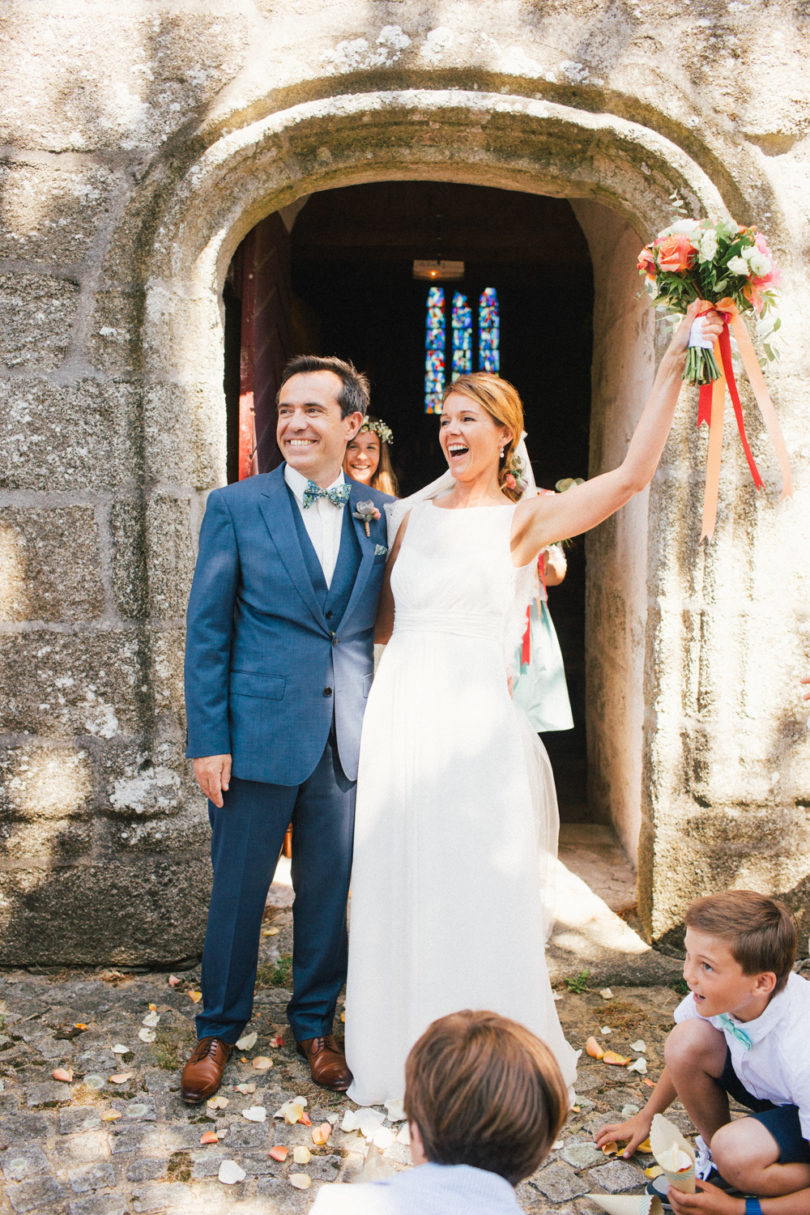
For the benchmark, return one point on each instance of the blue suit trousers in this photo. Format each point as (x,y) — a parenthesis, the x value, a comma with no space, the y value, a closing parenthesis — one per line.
(247,835)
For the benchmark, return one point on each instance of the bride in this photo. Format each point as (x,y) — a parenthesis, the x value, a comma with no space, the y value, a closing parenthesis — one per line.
(455,797)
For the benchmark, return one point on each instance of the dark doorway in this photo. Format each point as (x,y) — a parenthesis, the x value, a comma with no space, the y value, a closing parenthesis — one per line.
(352,293)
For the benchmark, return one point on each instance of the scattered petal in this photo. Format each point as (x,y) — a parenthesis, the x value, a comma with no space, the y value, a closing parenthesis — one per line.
(277,1041)
(654,1170)
(262,1063)
(300,1181)
(395,1111)
(611,1149)
(606,1030)
(343,1014)
(321,1133)
(404,1135)
(640,1046)
(195,996)
(230,1172)
(638,1065)
(557,995)
(245,1087)
(152,1007)
(111,1115)
(121,1077)
(383,1138)
(79,1025)
(271,932)
(209,1137)
(255,1113)
(644,1146)
(593,1049)
(301,1154)
(146,1035)
(606,993)
(247,1041)
(151,1019)
(120,1049)
(173,980)
(649,1083)
(611,1056)
(217,1103)
(555,1147)
(292,1111)
(305,1120)
(65,1074)
(279,1152)
(365,1120)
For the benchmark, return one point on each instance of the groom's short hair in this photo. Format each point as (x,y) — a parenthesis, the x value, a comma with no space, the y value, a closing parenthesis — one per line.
(354,393)
(484,1091)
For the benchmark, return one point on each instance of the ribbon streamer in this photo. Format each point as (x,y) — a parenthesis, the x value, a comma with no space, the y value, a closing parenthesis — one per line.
(710,410)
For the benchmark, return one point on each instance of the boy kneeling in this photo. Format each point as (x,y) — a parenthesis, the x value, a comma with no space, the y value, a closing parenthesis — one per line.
(742,1032)
(484,1100)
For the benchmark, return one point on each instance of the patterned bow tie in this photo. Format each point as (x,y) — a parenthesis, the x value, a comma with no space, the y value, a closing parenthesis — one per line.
(338,495)
(735,1031)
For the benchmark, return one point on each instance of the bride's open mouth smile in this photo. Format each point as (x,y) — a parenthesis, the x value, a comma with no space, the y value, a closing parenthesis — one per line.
(455,450)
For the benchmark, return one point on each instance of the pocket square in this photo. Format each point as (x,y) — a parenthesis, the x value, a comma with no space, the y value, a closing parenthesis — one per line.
(380,550)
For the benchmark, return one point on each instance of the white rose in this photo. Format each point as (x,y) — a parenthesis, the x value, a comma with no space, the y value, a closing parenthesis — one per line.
(759,263)
(727,227)
(708,246)
(738,265)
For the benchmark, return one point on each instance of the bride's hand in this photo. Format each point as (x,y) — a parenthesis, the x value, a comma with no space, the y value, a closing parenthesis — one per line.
(712,327)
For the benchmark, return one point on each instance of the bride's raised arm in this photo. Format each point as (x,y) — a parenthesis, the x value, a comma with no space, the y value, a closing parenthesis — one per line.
(542,520)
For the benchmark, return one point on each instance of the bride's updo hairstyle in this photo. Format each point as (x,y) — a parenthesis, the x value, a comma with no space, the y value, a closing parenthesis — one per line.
(501,401)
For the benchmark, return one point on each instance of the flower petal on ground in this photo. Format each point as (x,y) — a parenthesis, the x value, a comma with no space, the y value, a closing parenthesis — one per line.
(321,1133)
(612,1056)
(195,996)
(279,1152)
(121,1077)
(217,1103)
(230,1172)
(395,1110)
(593,1049)
(209,1137)
(640,1046)
(606,993)
(301,1154)
(146,1035)
(151,1019)
(262,1063)
(638,1065)
(300,1181)
(255,1113)
(247,1041)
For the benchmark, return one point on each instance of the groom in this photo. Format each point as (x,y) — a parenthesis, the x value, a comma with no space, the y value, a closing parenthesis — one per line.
(278,668)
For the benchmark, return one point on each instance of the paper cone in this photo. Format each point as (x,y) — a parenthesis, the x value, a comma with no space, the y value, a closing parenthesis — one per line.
(666,1140)
(628,1204)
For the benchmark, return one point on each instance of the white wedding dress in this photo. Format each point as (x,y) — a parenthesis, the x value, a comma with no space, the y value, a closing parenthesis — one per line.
(456,810)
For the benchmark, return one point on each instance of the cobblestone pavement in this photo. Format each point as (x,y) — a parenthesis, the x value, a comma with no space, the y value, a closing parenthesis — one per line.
(116,1137)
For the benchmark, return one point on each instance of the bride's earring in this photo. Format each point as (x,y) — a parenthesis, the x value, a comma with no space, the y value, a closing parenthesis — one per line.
(503,449)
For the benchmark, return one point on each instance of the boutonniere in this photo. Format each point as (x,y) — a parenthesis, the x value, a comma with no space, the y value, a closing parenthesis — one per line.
(366,512)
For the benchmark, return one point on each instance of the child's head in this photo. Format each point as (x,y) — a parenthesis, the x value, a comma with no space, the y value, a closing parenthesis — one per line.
(483,1090)
(759,931)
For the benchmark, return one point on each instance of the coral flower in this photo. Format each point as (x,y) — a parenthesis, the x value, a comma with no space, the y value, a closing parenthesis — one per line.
(675,253)
(646,262)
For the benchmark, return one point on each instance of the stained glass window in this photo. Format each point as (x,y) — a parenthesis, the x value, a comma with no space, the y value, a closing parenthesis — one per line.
(489,350)
(461,360)
(434,350)
(462,335)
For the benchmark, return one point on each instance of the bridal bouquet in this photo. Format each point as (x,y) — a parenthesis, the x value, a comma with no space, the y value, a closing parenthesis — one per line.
(729,268)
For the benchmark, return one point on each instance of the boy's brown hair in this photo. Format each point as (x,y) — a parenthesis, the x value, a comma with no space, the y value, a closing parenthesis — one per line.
(484,1091)
(760,931)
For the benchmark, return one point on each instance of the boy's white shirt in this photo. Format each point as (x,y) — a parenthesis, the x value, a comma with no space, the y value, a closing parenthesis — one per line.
(776,1067)
(428,1189)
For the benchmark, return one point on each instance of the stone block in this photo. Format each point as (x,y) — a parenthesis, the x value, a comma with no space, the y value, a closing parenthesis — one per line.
(184,430)
(98,1204)
(62,684)
(113,342)
(45,783)
(617,1177)
(78,1119)
(161,1196)
(129,569)
(172,551)
(67,436)
(46,841)
(52,564)
(46,912)
(92,1177)
(41,1193)
(559,1182)
(20,1163)
(52,212)
(37,313)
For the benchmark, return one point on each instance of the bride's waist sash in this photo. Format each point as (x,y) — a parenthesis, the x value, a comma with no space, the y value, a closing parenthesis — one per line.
(459,623)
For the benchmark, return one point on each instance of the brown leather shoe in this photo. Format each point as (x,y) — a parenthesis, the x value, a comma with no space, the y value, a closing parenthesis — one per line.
(202,1075)
(327,1062)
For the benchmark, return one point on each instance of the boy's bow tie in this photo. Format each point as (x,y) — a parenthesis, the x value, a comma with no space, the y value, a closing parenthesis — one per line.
(338,495)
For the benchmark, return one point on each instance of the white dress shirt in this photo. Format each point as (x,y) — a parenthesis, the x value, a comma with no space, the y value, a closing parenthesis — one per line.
(428,1189)
(323,520)
(776,1065)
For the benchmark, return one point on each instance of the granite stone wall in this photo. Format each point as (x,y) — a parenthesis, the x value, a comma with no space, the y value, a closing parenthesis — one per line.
(138,145)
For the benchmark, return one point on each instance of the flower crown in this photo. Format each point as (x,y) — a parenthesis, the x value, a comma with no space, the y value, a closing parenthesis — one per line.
(379,427)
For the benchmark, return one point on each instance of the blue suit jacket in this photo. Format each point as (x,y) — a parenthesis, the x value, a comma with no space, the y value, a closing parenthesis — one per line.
(265,668)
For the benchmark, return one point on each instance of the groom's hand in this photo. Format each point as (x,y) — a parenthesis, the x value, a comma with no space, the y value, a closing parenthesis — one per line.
(213,774)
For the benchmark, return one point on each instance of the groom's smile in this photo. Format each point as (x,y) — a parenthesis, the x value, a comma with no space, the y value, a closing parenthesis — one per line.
(312,432)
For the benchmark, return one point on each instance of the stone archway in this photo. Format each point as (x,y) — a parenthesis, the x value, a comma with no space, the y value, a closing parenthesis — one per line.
(619,177)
